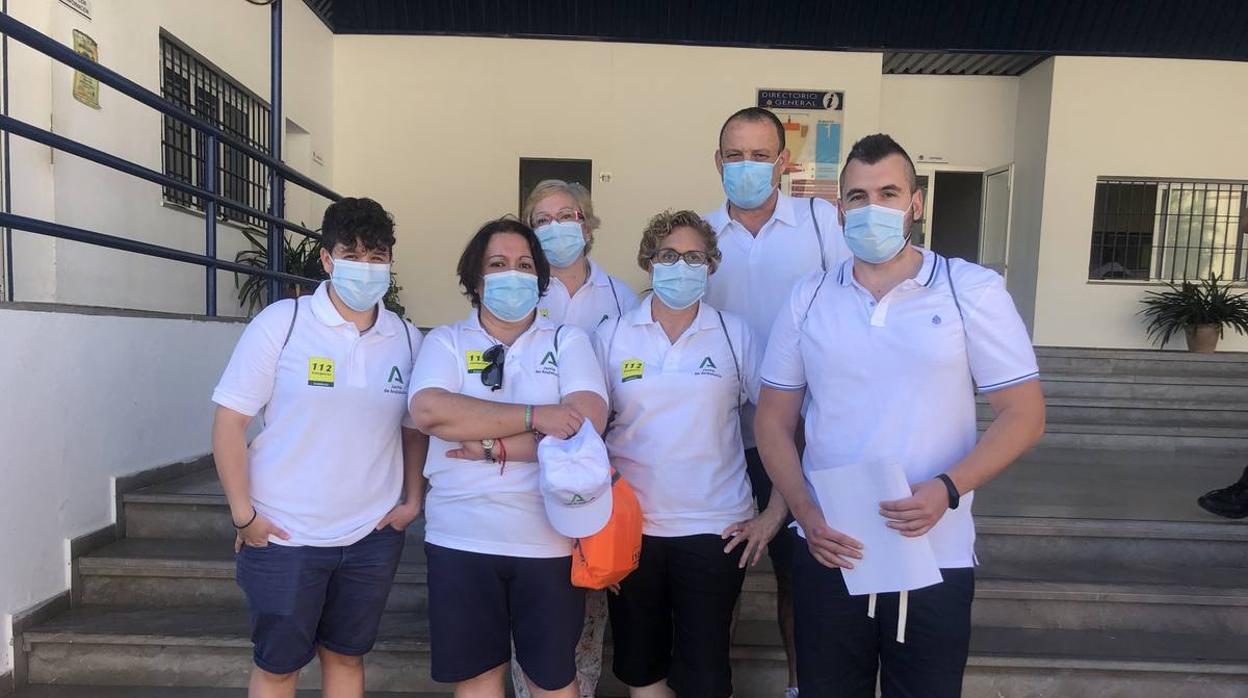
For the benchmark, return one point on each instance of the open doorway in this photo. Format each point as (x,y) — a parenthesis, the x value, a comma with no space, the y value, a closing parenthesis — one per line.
(968,214)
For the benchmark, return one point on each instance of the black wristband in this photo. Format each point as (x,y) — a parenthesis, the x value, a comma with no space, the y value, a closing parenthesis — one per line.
(250,521)
(954,497)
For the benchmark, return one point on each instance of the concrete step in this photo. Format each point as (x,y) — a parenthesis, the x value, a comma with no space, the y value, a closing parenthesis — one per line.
(1013,592)
(163,573)
(1062,413)
(1190,443)
(1067,544)
(1143,391)
(198,647)
(209,647)
(1141,363)
(48,691)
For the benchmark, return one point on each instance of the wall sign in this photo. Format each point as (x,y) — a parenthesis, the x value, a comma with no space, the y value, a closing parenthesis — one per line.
(812,132)
(86,88)
(82,7)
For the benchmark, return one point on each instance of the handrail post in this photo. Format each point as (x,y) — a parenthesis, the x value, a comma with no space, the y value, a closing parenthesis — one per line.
(210,225)
(277,194)
(8,169)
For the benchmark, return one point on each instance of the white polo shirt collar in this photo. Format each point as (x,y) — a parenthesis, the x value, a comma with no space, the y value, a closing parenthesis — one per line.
(922,280)
(324,310)
(643,314)
(723,222)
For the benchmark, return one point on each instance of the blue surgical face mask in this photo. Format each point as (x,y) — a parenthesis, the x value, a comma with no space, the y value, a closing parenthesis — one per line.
(748,183)
(359,284)
(875,233)
(510,295)
(679,285)
(562,242)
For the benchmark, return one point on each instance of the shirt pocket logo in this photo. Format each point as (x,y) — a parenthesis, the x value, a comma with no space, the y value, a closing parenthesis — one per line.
(549,365)
(394,382)
(321,372)
(631,370)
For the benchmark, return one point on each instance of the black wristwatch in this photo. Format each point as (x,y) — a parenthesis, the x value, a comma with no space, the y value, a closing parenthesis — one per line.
(954,497)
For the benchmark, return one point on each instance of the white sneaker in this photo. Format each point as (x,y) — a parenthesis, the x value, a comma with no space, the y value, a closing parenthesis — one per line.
(790,692)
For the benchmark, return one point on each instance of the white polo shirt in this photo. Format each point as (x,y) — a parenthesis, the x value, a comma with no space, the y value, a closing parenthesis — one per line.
(675,431)
(600,298)
(892,381)
(328,463)
(757,274)
(479,506)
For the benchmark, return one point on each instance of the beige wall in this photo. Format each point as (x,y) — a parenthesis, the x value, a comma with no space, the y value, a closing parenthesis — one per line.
(232,35)
(433,127)
(1125,117)
(963,121)
(1031,147)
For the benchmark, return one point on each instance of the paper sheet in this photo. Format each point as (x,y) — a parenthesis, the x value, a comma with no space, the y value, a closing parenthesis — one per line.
(850,497)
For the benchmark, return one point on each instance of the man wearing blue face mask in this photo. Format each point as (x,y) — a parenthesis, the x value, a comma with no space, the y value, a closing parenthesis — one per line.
(321,497)
(769,240)
(891,347)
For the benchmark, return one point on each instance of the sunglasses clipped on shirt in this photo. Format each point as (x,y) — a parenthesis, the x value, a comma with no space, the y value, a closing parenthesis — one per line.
(492,374)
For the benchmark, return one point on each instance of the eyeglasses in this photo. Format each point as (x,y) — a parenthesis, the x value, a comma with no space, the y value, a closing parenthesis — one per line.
(492,374)
(694,258)
(563,215)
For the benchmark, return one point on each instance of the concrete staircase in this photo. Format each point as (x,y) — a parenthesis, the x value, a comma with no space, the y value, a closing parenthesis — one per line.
(1100,576)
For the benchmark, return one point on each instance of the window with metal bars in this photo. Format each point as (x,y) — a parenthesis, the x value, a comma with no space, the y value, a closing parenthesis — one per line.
(1169,230)
(202,89)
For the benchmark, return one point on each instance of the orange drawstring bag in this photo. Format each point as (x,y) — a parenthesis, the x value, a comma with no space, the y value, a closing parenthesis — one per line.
(610,555)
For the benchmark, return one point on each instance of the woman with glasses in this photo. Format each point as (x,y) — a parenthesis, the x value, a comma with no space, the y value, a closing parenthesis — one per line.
(678,371)
(580,293)
(486,389)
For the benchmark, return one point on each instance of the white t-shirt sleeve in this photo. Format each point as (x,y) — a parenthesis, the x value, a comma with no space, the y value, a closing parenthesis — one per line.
(246,386)
(437,364)
(601,339)
(782,367)
(1000,351)
(578,364)
(416,340)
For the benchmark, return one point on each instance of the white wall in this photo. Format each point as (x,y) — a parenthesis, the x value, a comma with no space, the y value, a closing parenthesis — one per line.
(100,396)
(232,35)
(963,121)
(1031,147)
(1125,117)
(433,128)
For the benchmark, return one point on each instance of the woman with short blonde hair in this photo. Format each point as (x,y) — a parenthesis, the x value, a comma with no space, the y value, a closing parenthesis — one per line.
(581,293)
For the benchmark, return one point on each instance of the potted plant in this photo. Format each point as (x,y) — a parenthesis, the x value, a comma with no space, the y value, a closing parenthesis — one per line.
(1200,311)
(302,259)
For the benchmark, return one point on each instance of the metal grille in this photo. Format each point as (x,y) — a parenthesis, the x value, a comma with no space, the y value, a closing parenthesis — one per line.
(1169,230)
(205,91)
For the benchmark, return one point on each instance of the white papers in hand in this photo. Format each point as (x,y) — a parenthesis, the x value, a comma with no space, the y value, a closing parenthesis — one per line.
(850,498)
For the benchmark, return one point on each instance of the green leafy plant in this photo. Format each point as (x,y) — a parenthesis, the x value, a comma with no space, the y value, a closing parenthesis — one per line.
(302,259)
(1188,305)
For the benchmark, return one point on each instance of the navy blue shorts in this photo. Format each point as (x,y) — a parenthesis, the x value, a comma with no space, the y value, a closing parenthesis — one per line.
(840,650)
(304,596)
(780,549)
(479,603)
(673,616)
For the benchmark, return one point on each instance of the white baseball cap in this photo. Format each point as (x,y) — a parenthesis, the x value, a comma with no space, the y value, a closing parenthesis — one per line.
(576,482)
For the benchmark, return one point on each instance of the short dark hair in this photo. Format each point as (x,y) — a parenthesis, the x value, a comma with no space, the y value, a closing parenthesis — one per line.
(754,114)
(871,149)
(473,257)
(353,221)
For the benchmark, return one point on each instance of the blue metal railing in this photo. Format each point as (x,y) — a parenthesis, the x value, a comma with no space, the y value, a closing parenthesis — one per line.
(279,172)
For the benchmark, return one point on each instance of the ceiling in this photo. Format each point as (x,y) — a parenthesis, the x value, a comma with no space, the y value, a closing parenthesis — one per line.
(943,37)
